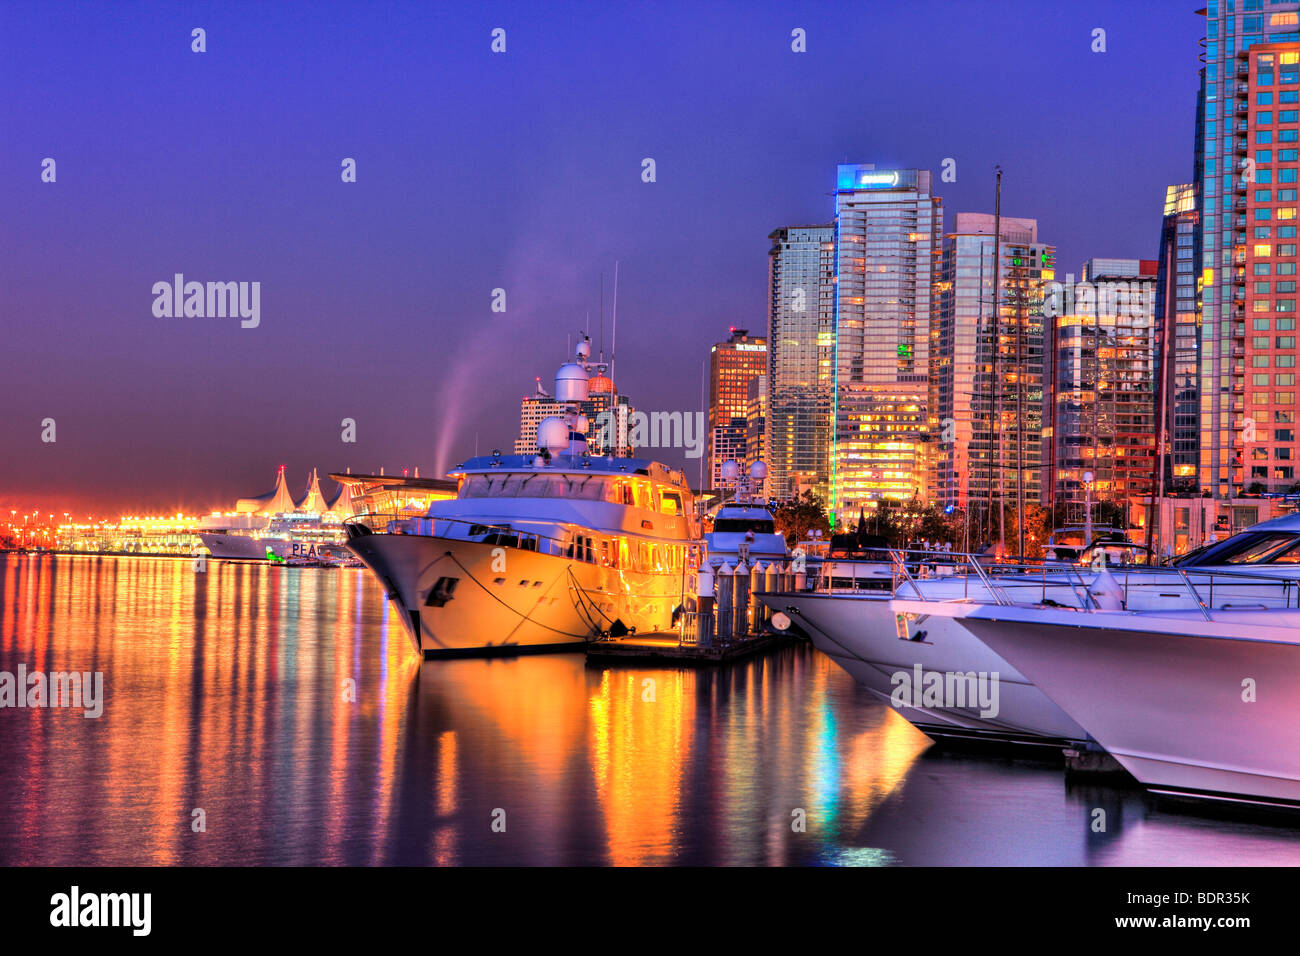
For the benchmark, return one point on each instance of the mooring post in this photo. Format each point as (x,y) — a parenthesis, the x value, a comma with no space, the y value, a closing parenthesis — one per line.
(704,608)
(755,605)
(725,585)
(740,601)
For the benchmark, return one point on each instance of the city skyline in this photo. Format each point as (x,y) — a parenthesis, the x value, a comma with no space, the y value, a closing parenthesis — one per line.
(477,171)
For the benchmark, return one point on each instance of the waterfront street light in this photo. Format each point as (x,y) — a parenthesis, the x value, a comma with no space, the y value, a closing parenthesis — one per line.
(1087,508)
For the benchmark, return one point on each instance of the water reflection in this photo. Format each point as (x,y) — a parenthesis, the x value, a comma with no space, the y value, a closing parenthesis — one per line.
(286,706)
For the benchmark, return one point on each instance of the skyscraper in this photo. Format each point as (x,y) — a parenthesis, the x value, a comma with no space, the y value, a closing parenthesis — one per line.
(1233,146)
(1177,287)
(987,436)
(888,227)
(1103,353)
(756,430)
(1264,284)
(732,364)
(801,350)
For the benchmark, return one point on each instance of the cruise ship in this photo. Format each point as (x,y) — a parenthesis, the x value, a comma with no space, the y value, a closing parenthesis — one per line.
(275,527)
(543,551)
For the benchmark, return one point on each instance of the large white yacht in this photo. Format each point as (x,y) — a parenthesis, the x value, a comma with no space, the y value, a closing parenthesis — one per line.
(540,552)
(1199,703)
(859,631)
(876,642)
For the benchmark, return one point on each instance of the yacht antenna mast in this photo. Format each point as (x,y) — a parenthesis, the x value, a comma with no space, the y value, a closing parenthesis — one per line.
(613,338)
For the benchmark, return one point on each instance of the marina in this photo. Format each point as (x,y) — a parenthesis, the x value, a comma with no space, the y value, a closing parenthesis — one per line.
(250,661)
(627,436)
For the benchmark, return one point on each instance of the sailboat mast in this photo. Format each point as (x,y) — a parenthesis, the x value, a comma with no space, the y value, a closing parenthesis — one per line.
(996,419)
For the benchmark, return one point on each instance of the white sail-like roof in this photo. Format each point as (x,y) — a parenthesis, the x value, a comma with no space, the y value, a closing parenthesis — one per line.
(276,501)
(342,503)
(313,502)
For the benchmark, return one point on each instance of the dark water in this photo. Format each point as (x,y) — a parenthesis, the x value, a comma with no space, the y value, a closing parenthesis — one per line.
(225,692)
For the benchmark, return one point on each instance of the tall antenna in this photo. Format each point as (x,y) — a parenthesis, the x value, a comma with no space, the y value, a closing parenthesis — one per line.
(704,412)
(613,337)
(602,317)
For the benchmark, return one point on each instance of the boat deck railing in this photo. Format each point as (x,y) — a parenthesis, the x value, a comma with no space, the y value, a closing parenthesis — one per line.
(1083,585)
(511,534)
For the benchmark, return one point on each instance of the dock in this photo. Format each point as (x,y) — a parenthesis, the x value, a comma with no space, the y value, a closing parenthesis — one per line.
(667,648)
(1093,765)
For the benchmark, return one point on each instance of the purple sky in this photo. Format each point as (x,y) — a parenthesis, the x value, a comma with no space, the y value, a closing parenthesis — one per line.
(479,170)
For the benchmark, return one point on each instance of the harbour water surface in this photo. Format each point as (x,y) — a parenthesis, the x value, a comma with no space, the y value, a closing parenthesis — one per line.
(230,692)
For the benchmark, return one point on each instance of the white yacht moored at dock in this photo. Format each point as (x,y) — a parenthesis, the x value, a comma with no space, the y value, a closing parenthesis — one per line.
(874,642)
(1200,703)
(859,631)
(540,552)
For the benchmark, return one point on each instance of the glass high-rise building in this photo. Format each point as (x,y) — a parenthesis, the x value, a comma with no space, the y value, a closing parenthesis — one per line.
(800,357)
(988,404)
(1177,288)
(1227,150)
(888,228)
(1264,261)
(732,365)
(1103,351)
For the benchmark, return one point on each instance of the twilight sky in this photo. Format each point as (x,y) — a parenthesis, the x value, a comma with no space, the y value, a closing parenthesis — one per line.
(476,171)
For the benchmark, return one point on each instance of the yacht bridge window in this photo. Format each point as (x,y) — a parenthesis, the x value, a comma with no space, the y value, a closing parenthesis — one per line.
(1260,547)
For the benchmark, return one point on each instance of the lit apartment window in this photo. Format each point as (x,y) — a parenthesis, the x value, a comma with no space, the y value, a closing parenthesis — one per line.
(1284,20)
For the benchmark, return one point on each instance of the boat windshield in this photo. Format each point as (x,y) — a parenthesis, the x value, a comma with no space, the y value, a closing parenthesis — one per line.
(742,525)
(1250,547)
(535,485)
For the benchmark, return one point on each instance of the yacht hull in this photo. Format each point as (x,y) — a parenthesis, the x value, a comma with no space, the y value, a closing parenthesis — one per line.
(467,598)
(860,633)
(1167,698)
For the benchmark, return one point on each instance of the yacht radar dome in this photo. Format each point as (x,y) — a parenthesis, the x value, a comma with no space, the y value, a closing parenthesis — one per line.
(571,383)
(553,434)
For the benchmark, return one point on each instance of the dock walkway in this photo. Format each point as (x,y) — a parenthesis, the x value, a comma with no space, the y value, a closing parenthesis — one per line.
(663,648)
